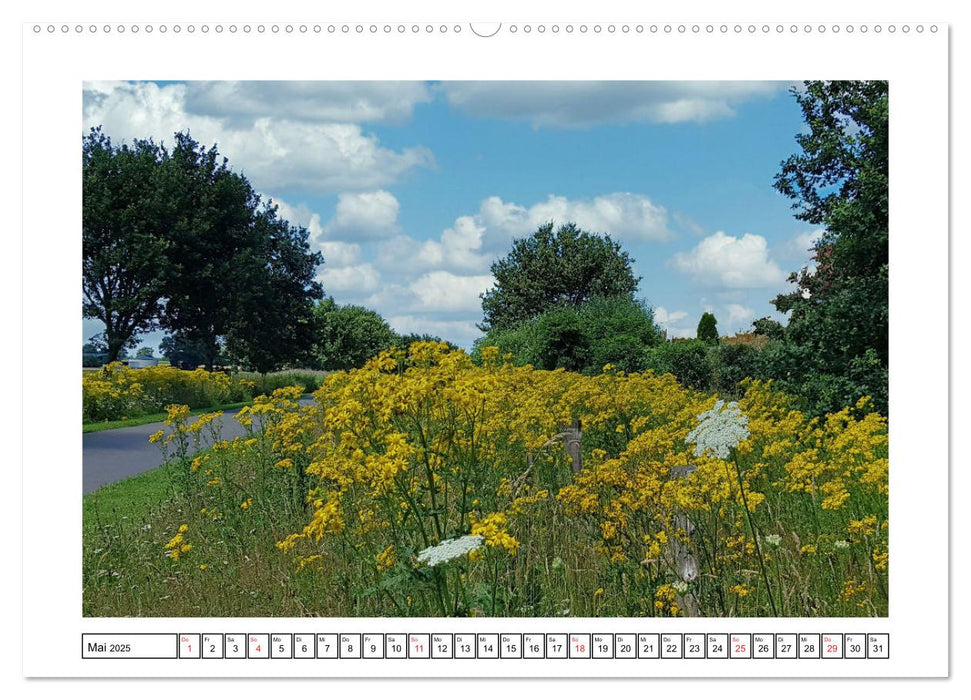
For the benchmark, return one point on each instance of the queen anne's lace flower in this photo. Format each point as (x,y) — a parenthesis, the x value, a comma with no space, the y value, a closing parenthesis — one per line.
(719,430)
(446,550)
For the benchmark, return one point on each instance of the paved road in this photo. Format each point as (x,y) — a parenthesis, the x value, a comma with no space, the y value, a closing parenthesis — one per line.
(112,455)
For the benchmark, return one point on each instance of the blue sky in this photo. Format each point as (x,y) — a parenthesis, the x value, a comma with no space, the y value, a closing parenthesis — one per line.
(411,190)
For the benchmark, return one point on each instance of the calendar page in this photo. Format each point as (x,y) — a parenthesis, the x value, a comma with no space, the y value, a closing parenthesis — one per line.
(546,346)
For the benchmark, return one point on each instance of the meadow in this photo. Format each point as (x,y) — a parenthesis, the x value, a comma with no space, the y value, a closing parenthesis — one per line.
(425,484)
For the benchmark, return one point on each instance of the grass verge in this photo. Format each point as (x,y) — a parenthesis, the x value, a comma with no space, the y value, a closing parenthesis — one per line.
(128,500)
(98,426)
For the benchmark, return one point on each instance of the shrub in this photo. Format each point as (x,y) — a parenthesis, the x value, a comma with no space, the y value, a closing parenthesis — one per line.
(732,363)
(603,331)
(687,359)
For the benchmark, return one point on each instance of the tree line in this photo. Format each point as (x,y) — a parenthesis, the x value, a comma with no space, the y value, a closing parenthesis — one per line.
(174,239)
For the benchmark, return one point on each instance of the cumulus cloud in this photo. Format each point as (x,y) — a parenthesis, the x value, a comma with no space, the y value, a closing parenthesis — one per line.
(800,246)
(364,216)
(739,317)
(336,253)
(673,322)
(353,280)
(386,102)
(445,291)
(275,152)
(473,241)
(589,103)
(729,261)
(665,317)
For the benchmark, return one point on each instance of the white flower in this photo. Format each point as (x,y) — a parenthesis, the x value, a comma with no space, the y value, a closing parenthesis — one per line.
(774,540)
(841,544)
(446,550)
(680,587)
(719,430)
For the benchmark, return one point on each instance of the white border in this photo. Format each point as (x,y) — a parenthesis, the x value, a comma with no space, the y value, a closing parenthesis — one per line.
(915,65)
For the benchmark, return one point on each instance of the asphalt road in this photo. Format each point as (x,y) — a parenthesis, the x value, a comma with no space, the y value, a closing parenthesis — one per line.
(112,455)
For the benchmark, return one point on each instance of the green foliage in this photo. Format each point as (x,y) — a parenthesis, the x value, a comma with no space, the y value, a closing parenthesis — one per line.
(145,352)
(565,267)
(619,330)
(175,238)
(839,314)
(560,341)
(865,376)
(182,352)
(708,328)
(348,336)
(733,362)
(266,384)
(406,339)
(585,338)
(123,238)
(768,327)
(687,359)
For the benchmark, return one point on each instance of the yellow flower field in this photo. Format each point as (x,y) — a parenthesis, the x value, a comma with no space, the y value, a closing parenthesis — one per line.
(424,484)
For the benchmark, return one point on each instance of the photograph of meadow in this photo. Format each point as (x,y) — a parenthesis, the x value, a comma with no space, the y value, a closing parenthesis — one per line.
(479,349)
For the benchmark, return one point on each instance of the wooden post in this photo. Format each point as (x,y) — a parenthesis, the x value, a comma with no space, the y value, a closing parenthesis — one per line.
(684,562)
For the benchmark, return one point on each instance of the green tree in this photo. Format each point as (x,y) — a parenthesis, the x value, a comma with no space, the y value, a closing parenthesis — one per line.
(182,352)
(768,327)
(839,311)
(555,268)
(708,328)
(145,352)
(214,255)
(177,239)
(275,288)
(124,231)
(349,336)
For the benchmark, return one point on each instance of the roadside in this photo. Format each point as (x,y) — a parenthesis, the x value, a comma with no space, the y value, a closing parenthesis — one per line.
(98,426)
(112,455)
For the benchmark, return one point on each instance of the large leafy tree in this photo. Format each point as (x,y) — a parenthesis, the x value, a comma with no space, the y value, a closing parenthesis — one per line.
(348,336)
(275,287)
(177,239)
(836,342)
(555,267)
(124,229)
(213,237)
(182,352)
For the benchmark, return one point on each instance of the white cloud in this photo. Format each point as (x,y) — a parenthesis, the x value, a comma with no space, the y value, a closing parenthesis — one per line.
(589,103)
(444,291)
(364,216)
(727,261)
(474,240)
(388,102)
(739,317)
(672,322)
(353,280)
(665,317)
(336,253)
(799,247)
(275,152)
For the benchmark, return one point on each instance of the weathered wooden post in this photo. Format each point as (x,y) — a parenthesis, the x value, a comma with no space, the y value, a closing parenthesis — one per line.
(683,561)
